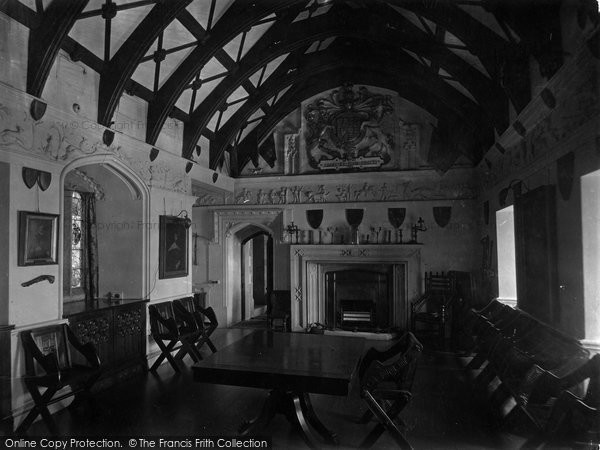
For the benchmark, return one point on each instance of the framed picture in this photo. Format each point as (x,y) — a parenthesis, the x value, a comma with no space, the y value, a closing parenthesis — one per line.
(38,238)
(173,247)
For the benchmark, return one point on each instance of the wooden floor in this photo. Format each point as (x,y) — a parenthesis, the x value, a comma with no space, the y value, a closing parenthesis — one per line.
(444,414)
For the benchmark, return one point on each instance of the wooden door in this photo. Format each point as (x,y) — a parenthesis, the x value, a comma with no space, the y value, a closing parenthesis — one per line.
(535,240)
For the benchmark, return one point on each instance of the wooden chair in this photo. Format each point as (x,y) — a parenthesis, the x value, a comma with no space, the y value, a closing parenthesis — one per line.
(433,307)
(573,421)
(279,310)
(386,380)
(204,320)
(168,331)
(49,369)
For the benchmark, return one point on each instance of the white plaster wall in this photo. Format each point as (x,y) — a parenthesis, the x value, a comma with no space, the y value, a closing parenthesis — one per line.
(120,224)
(73,83)
(14,39)
(38,302)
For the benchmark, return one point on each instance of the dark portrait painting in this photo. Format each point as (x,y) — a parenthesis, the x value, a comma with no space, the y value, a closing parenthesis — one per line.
(173,247)
(38,238)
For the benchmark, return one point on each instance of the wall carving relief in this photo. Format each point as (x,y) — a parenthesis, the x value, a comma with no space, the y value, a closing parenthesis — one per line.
(64,140)
(341,193)
(576,105)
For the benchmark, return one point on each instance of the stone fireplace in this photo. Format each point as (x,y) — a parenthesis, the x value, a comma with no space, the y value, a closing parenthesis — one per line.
(354,287)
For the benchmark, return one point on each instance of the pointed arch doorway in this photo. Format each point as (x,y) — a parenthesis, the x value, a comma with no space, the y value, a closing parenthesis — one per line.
(256,256)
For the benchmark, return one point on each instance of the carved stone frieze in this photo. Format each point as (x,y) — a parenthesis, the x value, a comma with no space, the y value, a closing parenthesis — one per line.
(68,138)
(577,103)
(345,193)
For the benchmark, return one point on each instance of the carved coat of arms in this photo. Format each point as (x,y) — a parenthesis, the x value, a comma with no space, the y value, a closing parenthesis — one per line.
(344,130)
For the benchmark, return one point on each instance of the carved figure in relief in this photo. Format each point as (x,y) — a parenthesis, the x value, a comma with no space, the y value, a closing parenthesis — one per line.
(243,197)
(343,193)
(261,197)
(282,195)
(296,194)
(358,193)
(321,194)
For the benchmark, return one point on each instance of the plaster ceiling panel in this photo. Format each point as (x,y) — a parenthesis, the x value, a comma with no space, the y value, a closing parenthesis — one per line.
(270,101)
(459,87)
(123,24)
(471,59)
(29,3)
(326,43)
(443,73)
(171,62)
(93,5)
(283,91)
(486,18)
(233,46)
(303,15)
(230,111)
(211,68)
(184,100)
(258,113)
(144,74)
(248,129)
(449,38)
(46,3)
(413,55)
(273,65)
(255,77)
(204,90)
(313,47)
(175,34)
(89,33)
(212,123)
(410,16)
(239,93)
(200,9)
(322,10)
(254,35)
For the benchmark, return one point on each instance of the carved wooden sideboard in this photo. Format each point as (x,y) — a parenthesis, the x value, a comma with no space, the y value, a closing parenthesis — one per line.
(118,331)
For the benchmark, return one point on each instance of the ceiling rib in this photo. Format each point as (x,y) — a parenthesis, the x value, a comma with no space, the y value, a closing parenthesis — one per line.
(241,15)
(117,72)
(46,40)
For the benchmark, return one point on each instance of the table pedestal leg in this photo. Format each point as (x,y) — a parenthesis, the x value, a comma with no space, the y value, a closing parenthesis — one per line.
(299,411)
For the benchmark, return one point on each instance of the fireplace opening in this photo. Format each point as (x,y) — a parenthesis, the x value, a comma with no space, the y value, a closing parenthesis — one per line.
(359,299)
(356,314)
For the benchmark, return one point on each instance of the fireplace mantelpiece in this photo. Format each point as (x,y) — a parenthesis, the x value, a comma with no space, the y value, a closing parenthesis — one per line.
(307,277)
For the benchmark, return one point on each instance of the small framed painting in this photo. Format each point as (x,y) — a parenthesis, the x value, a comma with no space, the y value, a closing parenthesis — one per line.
(38,238)
(173,247)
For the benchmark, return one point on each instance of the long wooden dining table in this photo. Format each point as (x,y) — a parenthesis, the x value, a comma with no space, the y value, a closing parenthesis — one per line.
(292,366)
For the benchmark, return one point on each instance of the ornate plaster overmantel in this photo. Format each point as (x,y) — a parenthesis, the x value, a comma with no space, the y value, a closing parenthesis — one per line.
(307,264)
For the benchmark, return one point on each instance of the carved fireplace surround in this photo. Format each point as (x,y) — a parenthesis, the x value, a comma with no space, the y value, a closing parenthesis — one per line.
(308,264)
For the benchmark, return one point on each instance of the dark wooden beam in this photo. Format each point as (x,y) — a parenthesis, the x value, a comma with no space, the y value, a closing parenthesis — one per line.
(331,78)
(46,39)
(241,15)
(119,70)
(403,69)
(359,25)
(496,54)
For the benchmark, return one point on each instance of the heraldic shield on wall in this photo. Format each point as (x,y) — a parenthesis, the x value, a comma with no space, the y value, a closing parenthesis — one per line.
(351,128)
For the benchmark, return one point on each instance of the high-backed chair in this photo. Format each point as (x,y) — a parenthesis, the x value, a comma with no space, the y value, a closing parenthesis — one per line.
(386,380)
(433,308)
(279,310)
(204,320)
(50,370)
(573,420)
(172,333)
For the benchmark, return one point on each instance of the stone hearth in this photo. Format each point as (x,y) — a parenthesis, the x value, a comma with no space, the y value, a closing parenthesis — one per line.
(309,264)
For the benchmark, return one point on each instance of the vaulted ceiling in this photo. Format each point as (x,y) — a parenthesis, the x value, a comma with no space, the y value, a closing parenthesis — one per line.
(230,70)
